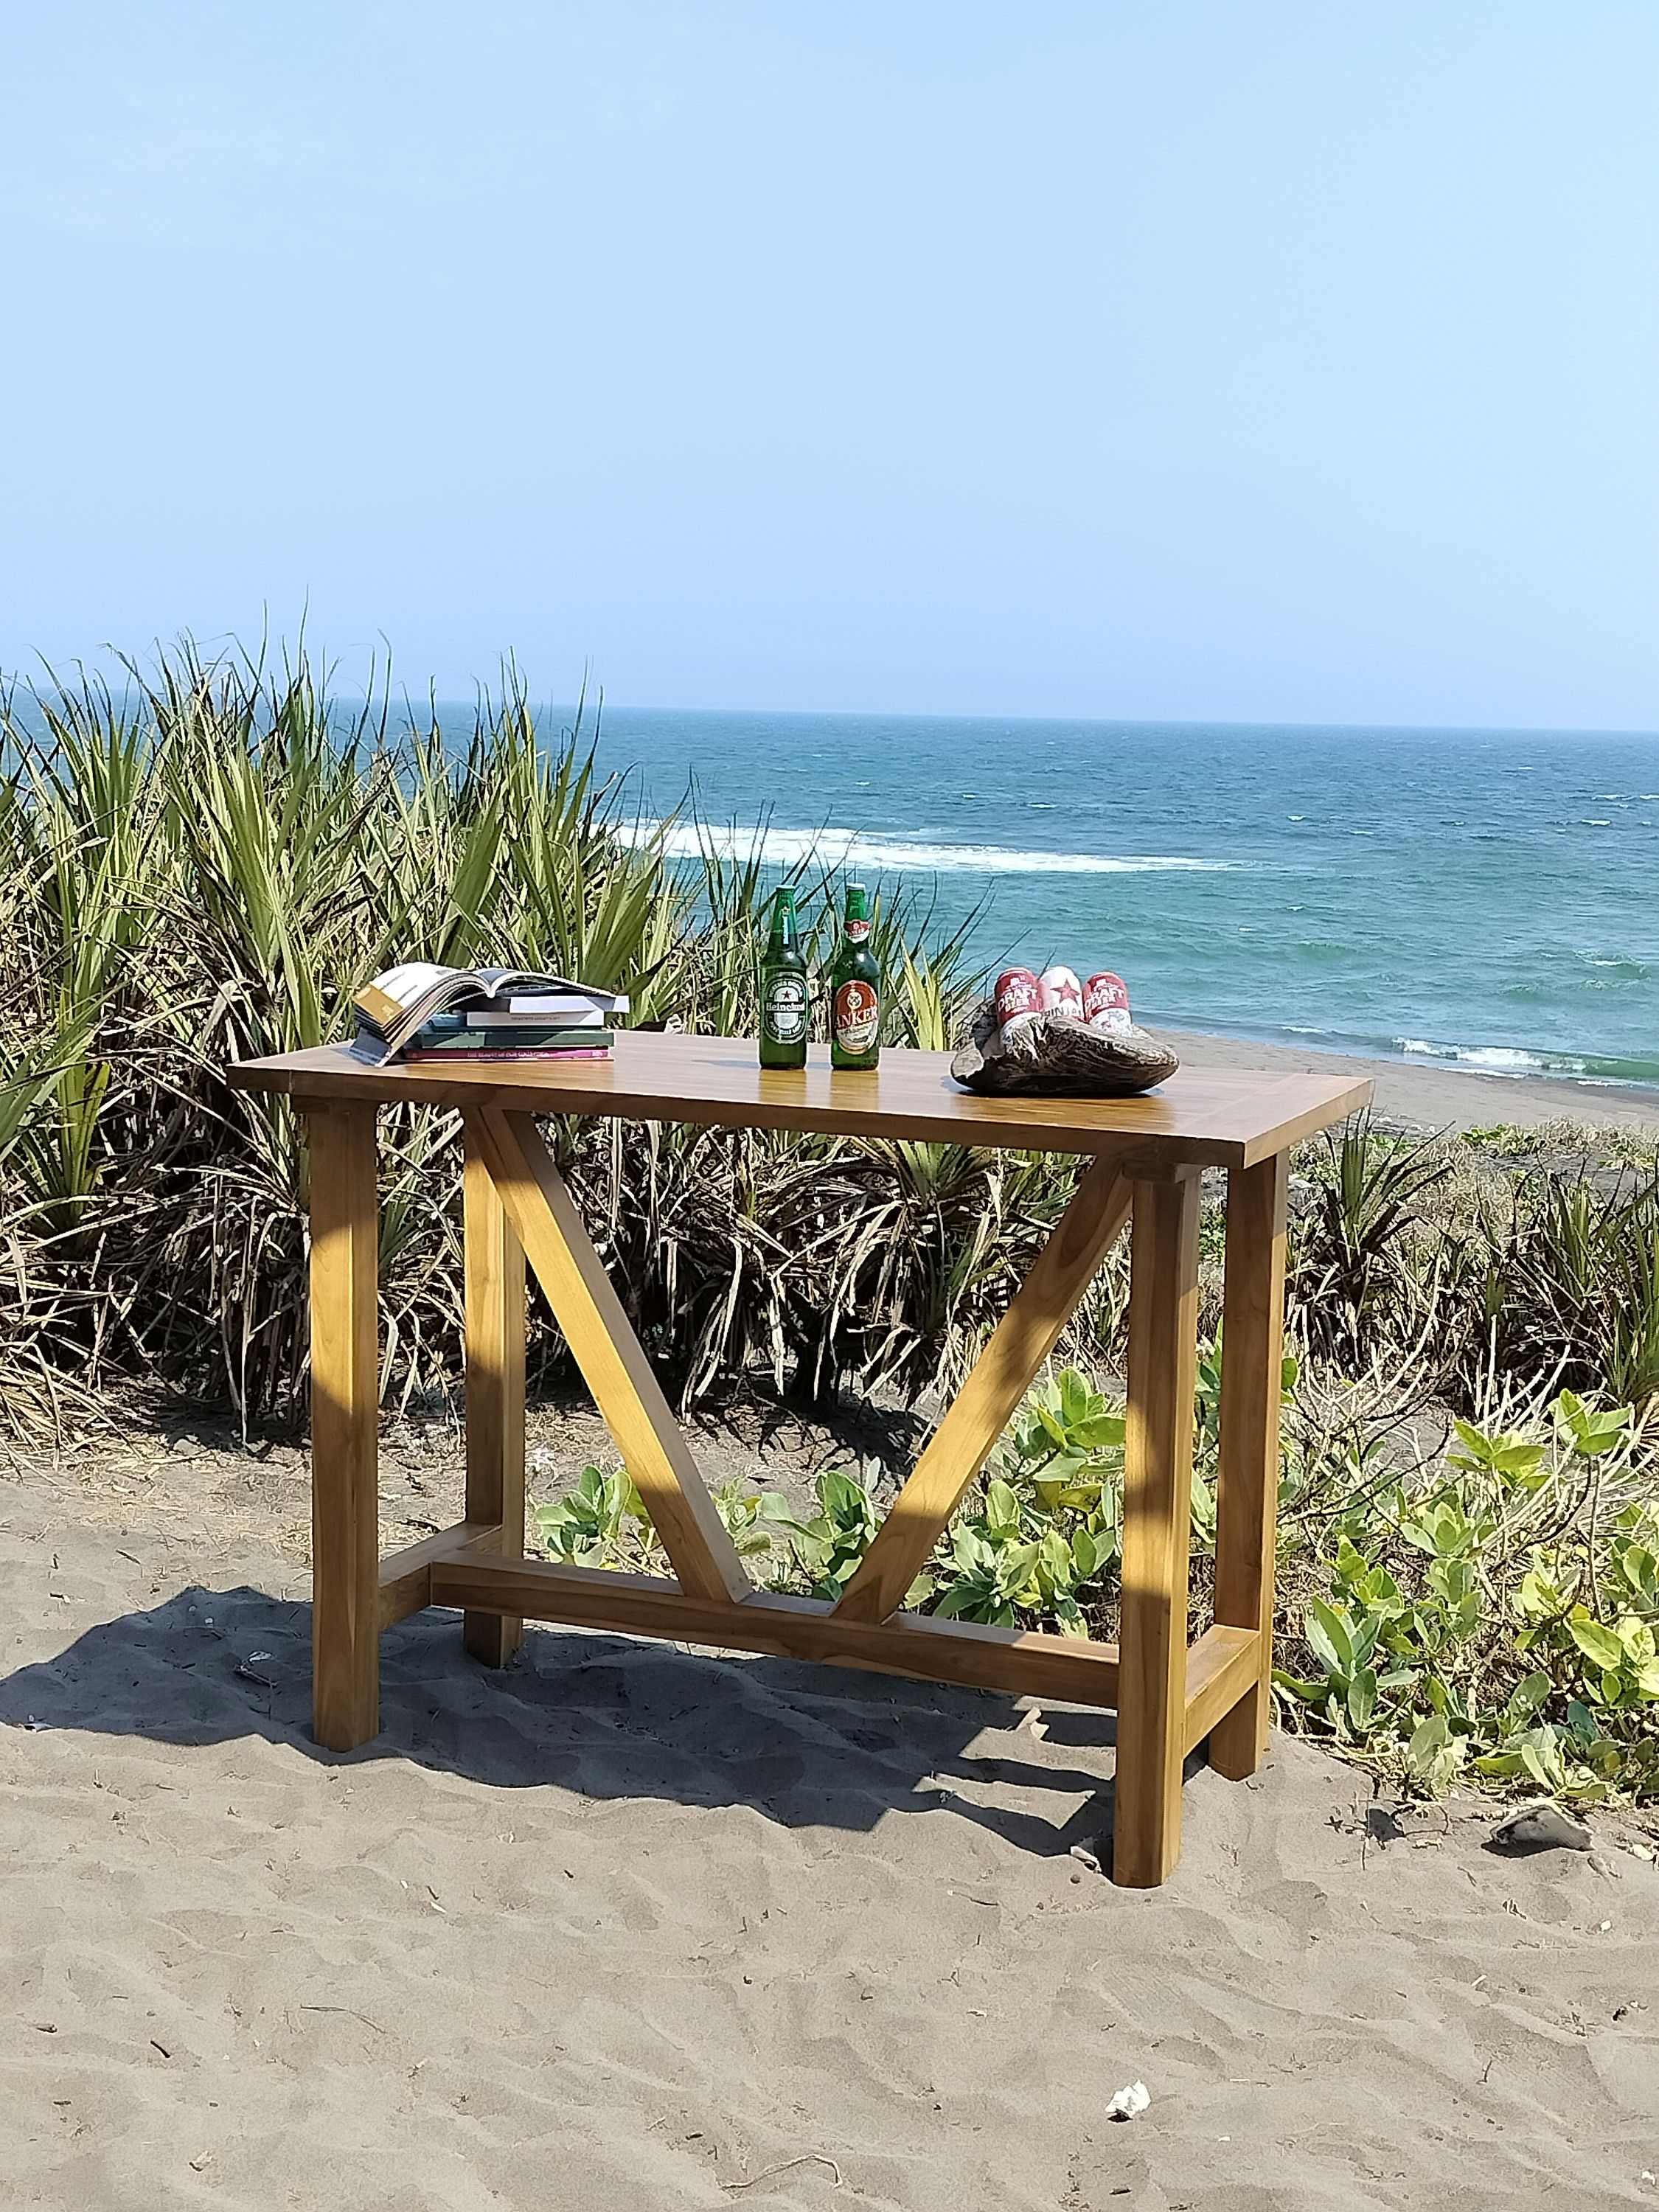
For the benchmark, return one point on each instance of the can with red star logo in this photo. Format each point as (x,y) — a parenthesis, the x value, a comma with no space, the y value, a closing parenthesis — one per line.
(1061,993)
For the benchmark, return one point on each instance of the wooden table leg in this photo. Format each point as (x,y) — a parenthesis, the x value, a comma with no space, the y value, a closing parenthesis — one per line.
(1247,1499)
(1151,1709)
(494,1391)
(345,1411)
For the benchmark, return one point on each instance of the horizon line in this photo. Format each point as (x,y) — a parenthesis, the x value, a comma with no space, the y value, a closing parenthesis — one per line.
(1100,722)
(14,682)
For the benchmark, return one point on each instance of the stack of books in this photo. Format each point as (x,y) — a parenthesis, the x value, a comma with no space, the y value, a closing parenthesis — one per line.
(422,1012)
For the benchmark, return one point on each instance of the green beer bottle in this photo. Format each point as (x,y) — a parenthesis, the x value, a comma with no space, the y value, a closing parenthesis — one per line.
(783,990)
(855,990)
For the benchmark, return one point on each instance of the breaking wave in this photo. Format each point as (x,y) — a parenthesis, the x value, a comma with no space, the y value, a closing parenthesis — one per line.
(1513,1060)
(837,847)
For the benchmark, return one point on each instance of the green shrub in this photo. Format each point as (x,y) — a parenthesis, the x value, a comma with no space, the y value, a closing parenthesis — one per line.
(1492,1615)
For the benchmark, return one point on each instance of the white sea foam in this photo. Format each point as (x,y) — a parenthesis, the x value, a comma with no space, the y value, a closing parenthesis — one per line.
(1493,1059)
(842,847)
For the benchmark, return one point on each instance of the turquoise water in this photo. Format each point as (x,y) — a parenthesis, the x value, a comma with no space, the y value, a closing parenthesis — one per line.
(1488,899)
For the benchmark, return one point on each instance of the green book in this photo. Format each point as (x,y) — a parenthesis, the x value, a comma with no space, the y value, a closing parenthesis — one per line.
(520,1036)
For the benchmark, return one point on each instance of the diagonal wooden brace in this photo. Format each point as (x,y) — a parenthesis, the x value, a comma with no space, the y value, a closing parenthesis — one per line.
(989,1399)
(612,1362)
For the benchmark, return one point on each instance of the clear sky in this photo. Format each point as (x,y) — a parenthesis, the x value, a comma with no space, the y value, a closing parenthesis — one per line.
(1295,359)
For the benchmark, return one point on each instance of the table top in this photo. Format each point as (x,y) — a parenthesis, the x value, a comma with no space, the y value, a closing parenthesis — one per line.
(1215,1116)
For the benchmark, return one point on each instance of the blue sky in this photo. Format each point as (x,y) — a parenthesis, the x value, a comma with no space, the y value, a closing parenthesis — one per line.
(1279,361)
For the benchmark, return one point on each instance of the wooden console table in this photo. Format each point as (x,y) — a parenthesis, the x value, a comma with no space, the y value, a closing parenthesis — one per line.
(1147,1154)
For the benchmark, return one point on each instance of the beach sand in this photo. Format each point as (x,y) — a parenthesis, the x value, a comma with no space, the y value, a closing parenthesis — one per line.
(1426,1095)
(626,1927)
(630,1927)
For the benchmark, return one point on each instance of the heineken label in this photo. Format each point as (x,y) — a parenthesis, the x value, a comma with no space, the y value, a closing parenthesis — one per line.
(857,1014)
(785,1010)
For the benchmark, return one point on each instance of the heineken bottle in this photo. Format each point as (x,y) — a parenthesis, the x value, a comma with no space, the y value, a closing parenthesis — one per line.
(783,990)
(855,989)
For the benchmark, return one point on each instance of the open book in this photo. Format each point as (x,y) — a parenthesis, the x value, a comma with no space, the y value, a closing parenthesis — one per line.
(397,1005)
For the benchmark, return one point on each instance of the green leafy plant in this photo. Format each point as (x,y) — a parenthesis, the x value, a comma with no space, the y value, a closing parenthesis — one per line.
(1038,1544)
(1508,1632)
(601,1522)
(1014,1557)
(832,1543)
(760,1523)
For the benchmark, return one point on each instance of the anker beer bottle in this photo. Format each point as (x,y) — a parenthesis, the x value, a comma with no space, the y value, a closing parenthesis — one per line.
(855,990)
(783,990)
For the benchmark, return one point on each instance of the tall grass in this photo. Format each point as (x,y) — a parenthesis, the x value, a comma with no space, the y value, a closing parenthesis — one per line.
(204,865)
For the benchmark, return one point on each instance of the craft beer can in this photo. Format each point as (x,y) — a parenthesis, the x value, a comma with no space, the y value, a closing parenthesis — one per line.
(1106,1003)
(1020,999)
(1061,993)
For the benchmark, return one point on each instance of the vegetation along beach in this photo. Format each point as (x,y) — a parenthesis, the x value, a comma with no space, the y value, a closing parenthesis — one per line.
(203,868)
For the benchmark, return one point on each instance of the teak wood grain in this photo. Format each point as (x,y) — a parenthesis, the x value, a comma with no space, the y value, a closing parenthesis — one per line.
(915,1644)
(1217,1116)
(406,1576)
(612,1360)
(461,1566)
(1158,1471)
(1220,1666)
(1170,1698)
(493,1267)
(345,1416)
(1246,1488)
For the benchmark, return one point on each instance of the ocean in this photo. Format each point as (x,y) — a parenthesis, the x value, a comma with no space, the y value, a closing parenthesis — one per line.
(1483,898)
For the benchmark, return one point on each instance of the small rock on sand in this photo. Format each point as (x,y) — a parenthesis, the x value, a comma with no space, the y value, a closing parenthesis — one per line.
(1541,1828)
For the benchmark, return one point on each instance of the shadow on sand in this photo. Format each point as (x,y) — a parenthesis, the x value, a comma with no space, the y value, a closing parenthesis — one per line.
(606,1716)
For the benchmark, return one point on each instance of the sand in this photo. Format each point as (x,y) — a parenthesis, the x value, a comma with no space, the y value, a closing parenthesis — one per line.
(1427,1095)
(626,1927)
(630,1927)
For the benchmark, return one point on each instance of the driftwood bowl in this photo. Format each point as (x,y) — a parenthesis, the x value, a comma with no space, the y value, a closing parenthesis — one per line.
(1053,1056)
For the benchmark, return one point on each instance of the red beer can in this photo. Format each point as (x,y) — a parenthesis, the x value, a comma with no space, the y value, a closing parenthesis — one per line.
(1061,993)
(1106,1002)
(1019,999)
